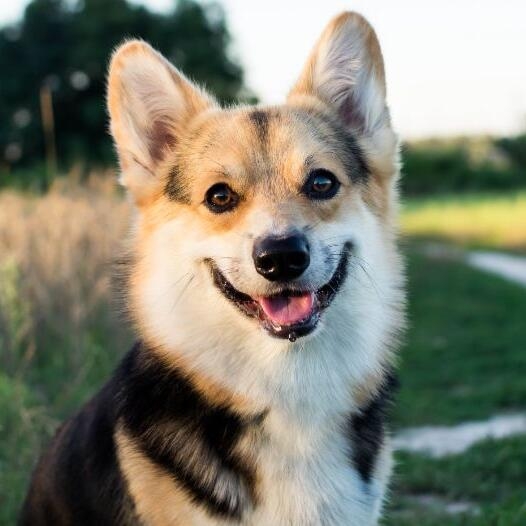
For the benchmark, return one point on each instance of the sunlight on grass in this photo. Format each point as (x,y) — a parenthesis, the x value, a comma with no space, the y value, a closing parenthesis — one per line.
(492,221)
(58,338)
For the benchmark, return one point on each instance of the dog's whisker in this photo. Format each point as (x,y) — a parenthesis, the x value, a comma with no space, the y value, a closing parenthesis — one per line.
(185,288)
(370,278)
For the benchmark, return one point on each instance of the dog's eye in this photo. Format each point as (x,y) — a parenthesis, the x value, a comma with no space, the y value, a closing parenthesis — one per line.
(321,184)
(221,198)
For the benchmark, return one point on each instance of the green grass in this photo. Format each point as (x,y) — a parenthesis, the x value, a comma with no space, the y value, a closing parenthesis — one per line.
(490,475)
(478,220)
(465,359)
(490,471)
(45,374)
(465,356)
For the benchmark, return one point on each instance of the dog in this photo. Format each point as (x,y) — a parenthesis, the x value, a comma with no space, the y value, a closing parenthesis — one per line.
(267,294)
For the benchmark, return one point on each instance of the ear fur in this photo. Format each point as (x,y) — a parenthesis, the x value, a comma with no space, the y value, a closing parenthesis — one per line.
(345,71)
(149,102)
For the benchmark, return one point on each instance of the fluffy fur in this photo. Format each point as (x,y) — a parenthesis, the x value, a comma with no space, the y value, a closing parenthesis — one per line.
(211,420)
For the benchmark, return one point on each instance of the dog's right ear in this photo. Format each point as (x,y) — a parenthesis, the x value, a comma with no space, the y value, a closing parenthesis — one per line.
(346,71)
(149,102)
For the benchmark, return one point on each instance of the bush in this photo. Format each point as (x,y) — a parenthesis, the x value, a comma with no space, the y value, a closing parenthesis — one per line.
(450,167)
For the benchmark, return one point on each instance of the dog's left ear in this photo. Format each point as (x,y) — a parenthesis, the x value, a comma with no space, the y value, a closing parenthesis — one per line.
(346,71)
(150,103)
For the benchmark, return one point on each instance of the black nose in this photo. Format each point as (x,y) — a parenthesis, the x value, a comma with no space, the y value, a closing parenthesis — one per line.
(281,258)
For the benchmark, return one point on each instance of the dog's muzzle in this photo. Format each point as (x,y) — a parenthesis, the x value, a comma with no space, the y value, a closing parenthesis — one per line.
(291,312)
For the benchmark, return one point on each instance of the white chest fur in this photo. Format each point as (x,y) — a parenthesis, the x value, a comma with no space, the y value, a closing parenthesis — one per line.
(314,488)
(306,477)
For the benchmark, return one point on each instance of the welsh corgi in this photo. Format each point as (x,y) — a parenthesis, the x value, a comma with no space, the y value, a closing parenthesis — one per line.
(267,295)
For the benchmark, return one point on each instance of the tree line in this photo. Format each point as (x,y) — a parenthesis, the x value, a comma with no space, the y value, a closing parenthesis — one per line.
(52,106)
(55,58)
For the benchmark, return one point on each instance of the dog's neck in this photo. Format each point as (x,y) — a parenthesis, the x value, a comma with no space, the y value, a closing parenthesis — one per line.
(308,386)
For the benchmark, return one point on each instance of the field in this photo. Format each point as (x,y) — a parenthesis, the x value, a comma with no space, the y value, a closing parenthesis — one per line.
(464,358)
(457,367)
(495,221)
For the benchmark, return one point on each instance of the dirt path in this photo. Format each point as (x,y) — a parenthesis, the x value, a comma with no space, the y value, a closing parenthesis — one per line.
(505,265)
(440,441)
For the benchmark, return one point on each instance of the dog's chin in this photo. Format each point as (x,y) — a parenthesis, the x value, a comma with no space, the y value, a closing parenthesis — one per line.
(290,312)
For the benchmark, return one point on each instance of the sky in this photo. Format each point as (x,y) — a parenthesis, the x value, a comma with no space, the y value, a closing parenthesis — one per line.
(453,67)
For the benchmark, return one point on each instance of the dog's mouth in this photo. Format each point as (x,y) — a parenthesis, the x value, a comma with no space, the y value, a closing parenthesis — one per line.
(289,313)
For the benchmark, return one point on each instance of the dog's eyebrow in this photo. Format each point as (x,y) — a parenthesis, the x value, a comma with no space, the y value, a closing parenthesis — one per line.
(221,169)
(342,144)
(223,173)
(308,162)
(175,189)
(260,120)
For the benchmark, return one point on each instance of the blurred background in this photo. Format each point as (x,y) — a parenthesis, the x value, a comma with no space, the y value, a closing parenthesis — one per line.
(457,88)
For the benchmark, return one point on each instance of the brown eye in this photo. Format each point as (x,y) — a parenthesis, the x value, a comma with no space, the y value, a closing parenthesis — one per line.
(321,184)
(221,198)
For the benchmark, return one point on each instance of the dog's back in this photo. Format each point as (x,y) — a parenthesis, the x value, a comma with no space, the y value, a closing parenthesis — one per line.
(78,480)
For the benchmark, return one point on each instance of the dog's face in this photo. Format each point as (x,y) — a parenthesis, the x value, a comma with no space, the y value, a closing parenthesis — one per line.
(259,223)
(270,192)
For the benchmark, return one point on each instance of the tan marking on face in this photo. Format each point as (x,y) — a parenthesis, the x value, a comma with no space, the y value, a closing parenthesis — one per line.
(264,172)
(228,147)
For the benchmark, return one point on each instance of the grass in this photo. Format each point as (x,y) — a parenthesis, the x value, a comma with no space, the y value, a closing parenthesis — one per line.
(489,477)
(465,354)
(464,358)
(496,221)
(58,337)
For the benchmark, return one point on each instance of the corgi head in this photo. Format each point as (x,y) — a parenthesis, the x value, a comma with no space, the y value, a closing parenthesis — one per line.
(260,229)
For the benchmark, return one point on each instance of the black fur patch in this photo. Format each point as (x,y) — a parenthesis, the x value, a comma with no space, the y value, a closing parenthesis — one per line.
(78,480)
(175,189)
(187,437)
(367,429)
(260,120)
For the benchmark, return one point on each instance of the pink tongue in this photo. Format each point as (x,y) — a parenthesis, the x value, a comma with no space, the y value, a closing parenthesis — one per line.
(287,310)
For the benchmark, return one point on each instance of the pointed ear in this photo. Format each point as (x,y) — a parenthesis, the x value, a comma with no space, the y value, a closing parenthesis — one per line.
(149,103)
(345,70)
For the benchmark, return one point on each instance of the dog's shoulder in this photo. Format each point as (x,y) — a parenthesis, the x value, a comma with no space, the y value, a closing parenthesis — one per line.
(171,434)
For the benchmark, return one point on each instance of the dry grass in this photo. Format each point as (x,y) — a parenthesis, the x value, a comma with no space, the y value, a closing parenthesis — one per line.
(493,221)
(55,251)
(58,337)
